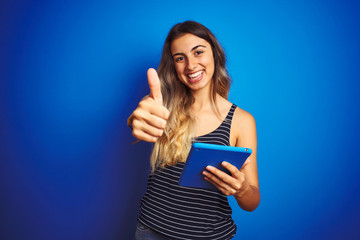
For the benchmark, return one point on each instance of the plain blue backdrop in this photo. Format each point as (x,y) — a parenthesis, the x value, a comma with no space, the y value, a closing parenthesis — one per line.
(71,72)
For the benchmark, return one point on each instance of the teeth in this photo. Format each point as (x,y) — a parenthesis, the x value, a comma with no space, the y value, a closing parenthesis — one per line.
(195,74)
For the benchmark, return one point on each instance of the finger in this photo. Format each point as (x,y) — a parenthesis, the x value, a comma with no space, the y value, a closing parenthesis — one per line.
(218,183)
(143,126)
(231,181)
(214,180)
(141,135)
(145,138)
(156,122)
(153,131)
(220,174)
(159,111)
(154,85)
(148,107)
(221,189)
(231,168)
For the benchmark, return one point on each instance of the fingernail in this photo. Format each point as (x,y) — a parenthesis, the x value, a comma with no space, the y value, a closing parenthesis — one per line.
(224,163)
(209,167)
(205,173)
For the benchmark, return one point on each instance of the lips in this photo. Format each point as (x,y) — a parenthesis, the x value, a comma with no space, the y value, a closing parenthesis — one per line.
(196,76)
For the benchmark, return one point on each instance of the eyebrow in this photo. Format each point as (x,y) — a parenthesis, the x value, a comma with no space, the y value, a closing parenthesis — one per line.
(191,50)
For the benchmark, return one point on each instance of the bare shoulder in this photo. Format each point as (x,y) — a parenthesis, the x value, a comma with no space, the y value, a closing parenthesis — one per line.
(243,118)
(243,127)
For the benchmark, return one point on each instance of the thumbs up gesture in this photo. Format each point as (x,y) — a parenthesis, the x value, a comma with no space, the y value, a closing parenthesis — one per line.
(150,117)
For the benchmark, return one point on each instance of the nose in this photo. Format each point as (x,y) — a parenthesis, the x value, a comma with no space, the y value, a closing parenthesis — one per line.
(191,64)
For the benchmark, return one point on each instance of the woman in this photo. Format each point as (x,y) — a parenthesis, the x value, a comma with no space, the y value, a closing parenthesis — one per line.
(188,103)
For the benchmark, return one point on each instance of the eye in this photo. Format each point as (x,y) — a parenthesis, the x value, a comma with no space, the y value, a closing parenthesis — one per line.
(199,52)
(178,59)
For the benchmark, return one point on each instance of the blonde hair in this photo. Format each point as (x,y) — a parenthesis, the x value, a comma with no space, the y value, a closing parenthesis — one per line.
(174,145)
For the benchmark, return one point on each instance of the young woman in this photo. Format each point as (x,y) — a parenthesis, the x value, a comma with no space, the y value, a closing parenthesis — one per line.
(188,103)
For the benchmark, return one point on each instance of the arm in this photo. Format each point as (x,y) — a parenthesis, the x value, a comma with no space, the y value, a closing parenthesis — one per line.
(243,184)
(249,198)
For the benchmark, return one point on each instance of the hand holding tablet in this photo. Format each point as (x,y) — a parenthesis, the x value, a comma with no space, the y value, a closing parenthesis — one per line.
(202,155)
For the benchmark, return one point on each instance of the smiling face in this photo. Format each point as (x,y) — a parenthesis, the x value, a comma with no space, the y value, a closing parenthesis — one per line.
(194,61)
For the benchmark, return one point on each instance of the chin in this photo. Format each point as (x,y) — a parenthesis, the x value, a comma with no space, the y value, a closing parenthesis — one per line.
(197,86)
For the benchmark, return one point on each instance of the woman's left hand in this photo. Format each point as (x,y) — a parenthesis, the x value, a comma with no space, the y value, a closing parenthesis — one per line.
(234,184)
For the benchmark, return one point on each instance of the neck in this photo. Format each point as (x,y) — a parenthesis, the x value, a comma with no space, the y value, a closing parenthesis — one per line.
(203,100)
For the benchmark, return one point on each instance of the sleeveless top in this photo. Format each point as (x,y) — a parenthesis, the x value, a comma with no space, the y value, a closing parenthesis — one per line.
(181,212)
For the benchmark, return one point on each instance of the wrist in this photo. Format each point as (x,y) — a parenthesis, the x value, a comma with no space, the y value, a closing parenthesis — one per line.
(245,190)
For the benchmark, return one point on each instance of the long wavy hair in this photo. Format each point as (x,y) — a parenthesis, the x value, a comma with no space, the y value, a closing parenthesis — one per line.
(174,145)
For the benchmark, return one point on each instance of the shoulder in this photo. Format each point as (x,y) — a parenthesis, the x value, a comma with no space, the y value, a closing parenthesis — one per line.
(243,127)
(243,118)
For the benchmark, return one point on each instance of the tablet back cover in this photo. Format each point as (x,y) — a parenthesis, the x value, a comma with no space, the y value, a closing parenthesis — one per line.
(202,155)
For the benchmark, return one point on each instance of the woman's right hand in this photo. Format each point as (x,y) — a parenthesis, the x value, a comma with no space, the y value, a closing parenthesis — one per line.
(150,117)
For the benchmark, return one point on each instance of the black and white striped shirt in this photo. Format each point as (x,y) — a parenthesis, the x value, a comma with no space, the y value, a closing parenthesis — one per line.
(188,213)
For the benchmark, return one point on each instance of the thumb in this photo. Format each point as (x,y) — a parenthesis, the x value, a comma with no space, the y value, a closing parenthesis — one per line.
(154,85)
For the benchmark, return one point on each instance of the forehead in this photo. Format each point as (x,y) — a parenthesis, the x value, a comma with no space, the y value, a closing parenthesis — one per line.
(186,42)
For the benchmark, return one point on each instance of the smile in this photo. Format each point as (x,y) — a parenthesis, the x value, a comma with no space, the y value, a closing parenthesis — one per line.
(195,77)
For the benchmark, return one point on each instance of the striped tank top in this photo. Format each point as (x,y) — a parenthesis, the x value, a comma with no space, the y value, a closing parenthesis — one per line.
(181,212)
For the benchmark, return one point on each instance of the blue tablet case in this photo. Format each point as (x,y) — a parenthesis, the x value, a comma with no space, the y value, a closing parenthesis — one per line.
(204,154)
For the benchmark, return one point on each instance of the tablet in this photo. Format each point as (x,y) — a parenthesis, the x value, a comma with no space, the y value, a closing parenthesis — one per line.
(204,154)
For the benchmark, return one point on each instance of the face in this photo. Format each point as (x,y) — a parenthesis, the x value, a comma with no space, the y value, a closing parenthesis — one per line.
(194,61)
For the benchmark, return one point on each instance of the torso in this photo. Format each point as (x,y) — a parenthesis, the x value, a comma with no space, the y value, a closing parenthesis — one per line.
(198,213)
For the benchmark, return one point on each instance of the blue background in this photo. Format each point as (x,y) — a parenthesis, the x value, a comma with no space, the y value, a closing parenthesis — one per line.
(71,72)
